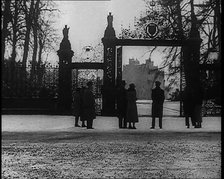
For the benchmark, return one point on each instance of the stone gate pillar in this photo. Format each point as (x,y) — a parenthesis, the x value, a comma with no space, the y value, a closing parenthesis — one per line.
(65,74)
(108,90)
(191,57)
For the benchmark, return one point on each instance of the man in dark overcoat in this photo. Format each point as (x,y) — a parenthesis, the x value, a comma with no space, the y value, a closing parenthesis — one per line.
(82,112)
(198,100)
(188,106)
(77,102)
(121,104)
(158,98)
(89,105)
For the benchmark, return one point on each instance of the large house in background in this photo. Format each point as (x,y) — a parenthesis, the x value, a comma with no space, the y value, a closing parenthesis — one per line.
(143,76)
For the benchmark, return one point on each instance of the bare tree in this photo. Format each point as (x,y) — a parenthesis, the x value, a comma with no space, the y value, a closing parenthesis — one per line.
(175,19)
(6,15)
(28,8)
(28,32)
(16,27)
(35,27)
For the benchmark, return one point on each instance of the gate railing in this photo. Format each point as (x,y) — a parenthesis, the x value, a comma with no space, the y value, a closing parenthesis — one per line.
(41,83)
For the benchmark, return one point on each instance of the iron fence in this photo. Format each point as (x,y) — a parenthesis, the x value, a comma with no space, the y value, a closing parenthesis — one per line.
(31,82)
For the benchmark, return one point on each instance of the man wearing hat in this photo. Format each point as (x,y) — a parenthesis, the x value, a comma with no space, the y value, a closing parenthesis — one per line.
(89,105)
(121,101)
(158,98)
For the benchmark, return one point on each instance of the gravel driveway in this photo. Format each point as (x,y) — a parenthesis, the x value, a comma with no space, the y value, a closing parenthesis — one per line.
(124,154)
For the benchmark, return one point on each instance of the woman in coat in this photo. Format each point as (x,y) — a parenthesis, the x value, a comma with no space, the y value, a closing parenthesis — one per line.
(132,113)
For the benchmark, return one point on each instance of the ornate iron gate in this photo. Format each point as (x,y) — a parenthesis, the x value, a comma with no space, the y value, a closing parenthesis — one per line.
(81,76)
(113,70)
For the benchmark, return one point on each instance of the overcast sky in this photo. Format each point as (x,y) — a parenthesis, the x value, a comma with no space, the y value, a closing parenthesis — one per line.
(88,19)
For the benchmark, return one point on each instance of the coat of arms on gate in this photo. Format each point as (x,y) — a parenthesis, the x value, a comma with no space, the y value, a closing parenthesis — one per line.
(152,29)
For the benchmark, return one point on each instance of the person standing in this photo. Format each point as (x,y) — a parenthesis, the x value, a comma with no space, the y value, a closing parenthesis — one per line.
(188,106)
(89,105)
(198,100)
(121,104)
(132,113)
(158,98)
(77,100)
(81,113)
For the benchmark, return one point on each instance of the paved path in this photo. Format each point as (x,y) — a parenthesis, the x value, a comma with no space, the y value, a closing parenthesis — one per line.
(34,123)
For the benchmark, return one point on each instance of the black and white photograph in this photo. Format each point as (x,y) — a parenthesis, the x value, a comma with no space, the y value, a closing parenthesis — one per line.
(111,89)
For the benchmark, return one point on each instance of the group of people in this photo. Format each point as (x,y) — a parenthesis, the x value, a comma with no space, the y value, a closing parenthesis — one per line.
(127,108)
(126,105)
(84,106)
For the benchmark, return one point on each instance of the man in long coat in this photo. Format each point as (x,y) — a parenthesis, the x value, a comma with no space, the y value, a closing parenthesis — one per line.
(89,105)
(77,106)
(121,104)
(188,106)
(132,112)
(198,100)
(158,98)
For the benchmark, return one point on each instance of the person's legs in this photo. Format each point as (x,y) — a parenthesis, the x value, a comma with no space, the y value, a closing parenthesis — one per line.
(187,121)
(199,115)
(130,127)
(133,125)
(83,124)
(76,121)
(193,121)
(82,119)
(120,121)
(160,122)
(88,124)
(91,123)
(153,123)
(125,122)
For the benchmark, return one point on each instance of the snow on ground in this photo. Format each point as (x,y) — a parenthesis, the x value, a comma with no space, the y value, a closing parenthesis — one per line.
(49,146)
(111,155)
(171,121)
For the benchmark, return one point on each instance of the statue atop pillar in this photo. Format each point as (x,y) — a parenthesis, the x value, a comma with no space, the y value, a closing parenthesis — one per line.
(110,20)
(109,32)
(65,44)
(65,32)
(64,77)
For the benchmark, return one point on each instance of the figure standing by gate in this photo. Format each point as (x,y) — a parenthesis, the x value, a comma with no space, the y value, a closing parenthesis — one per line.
(132,113)
(121,104)
(198,100)
(82,112)
(188,106)
(89,105)
(158,98)
(77,106)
